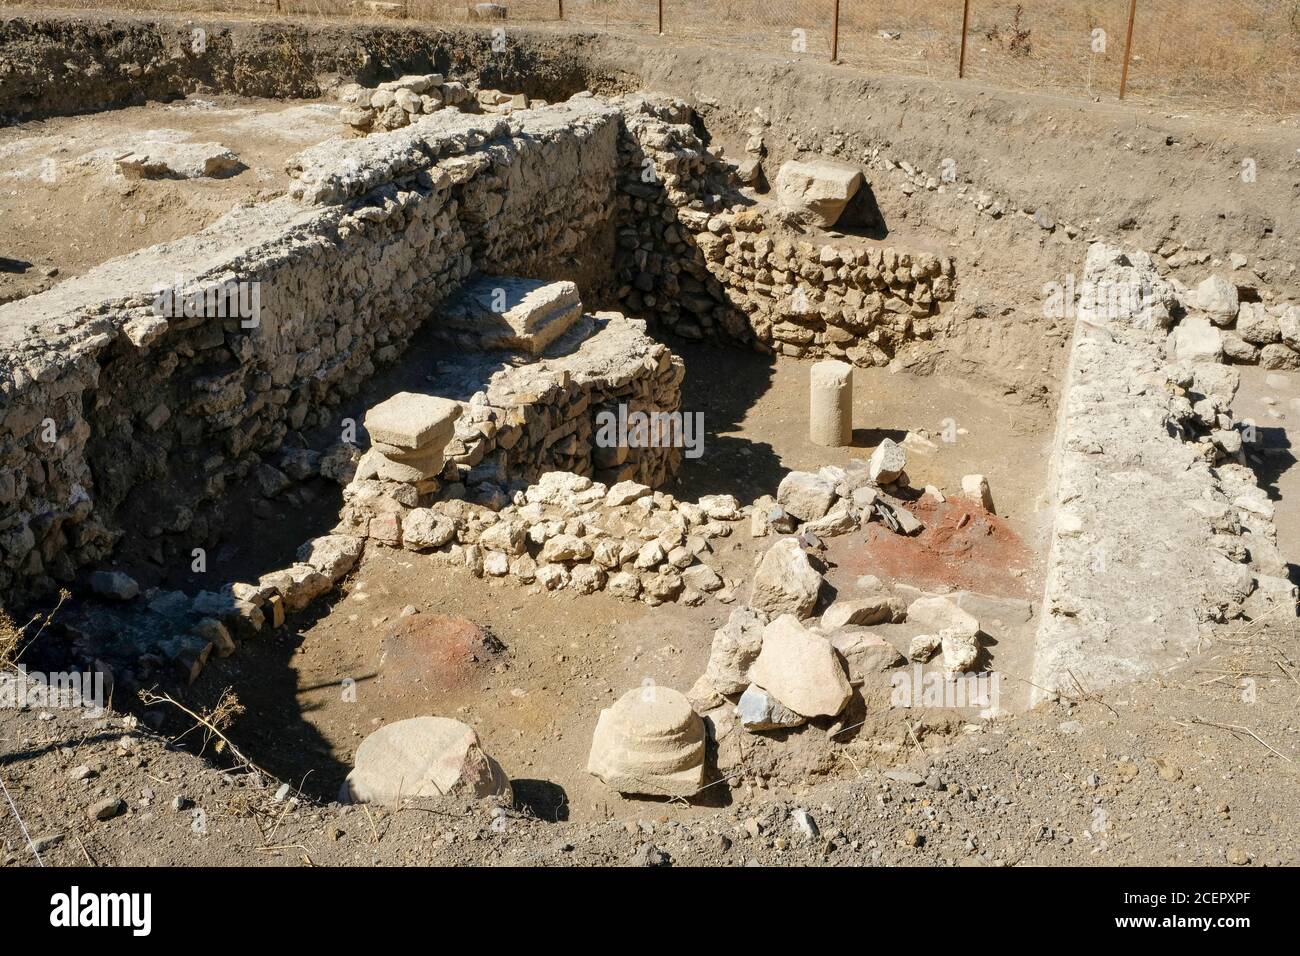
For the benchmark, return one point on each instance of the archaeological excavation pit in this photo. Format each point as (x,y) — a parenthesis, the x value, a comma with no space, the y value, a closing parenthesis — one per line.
(630,443)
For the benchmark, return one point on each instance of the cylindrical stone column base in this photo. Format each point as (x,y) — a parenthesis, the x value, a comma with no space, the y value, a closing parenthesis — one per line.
(830,410)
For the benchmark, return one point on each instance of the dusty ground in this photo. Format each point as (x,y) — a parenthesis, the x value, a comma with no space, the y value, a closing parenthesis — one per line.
(67,208)
(1196,768)
(568,656)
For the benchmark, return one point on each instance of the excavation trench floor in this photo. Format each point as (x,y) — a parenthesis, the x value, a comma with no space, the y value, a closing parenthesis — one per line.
(67,208)
(314,691)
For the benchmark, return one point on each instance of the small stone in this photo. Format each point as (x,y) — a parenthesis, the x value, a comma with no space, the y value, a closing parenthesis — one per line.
(106,809)
(887,462)
(114,584)
(976,487)
(803,824)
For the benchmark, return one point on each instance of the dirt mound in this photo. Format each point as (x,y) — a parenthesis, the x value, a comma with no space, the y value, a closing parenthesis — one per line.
(962,546)
(435,652)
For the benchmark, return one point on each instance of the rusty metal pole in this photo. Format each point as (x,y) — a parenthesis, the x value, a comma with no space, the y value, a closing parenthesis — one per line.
(1128,47)
(965,25)
(561,5)
(661,17)
(835,34)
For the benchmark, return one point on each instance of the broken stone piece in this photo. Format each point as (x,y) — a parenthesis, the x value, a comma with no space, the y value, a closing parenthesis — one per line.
(422,757)
(976,487)
(936,614)
(805,495)
(786,581)
(887,462)
(758,710)
(801,669)
(735,647)
(878,609)
(154,159)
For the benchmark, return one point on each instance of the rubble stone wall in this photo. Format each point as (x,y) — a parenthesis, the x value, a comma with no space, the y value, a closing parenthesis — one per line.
(710,263)
(534,419)
(1160,530)
(115,418)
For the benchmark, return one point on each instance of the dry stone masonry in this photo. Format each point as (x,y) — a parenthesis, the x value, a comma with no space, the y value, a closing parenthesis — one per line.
(710,261)
(118,415)
(1161,531)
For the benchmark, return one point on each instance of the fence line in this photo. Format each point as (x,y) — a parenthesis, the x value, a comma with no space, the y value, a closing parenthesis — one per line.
(1225,54)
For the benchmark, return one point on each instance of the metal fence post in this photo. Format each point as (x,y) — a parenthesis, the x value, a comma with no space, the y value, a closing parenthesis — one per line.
(965,25)
(1128,47)
(835,34)
(661,17)
(561,6)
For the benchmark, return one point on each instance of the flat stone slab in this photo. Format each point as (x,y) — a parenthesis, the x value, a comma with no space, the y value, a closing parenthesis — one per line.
(511,312)
(158,159)
(423,757)
(410,420)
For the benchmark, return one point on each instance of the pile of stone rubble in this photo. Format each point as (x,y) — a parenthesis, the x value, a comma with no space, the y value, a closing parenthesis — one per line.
(1218,325)
(396,103)
(772,667)
(400,102)
(567,531)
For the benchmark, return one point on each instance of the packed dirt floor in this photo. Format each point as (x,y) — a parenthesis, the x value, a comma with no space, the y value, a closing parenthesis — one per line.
(568,656)
(1181,770)
(67,207)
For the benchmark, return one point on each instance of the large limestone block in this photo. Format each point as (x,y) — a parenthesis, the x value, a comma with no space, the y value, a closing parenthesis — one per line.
(815,191)
(512,312)
(786,582)
(154,159)
(412,421)
(1196,340)
(423,757)
(649,742)
(801,669)
(830,404)
(805,495)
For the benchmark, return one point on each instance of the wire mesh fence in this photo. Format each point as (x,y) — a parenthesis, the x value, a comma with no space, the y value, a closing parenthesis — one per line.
(1213,54)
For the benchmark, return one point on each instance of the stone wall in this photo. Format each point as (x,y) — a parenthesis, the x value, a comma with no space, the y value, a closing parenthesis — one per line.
(1160,531)
(116,416)
(521,422)
(709,261)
